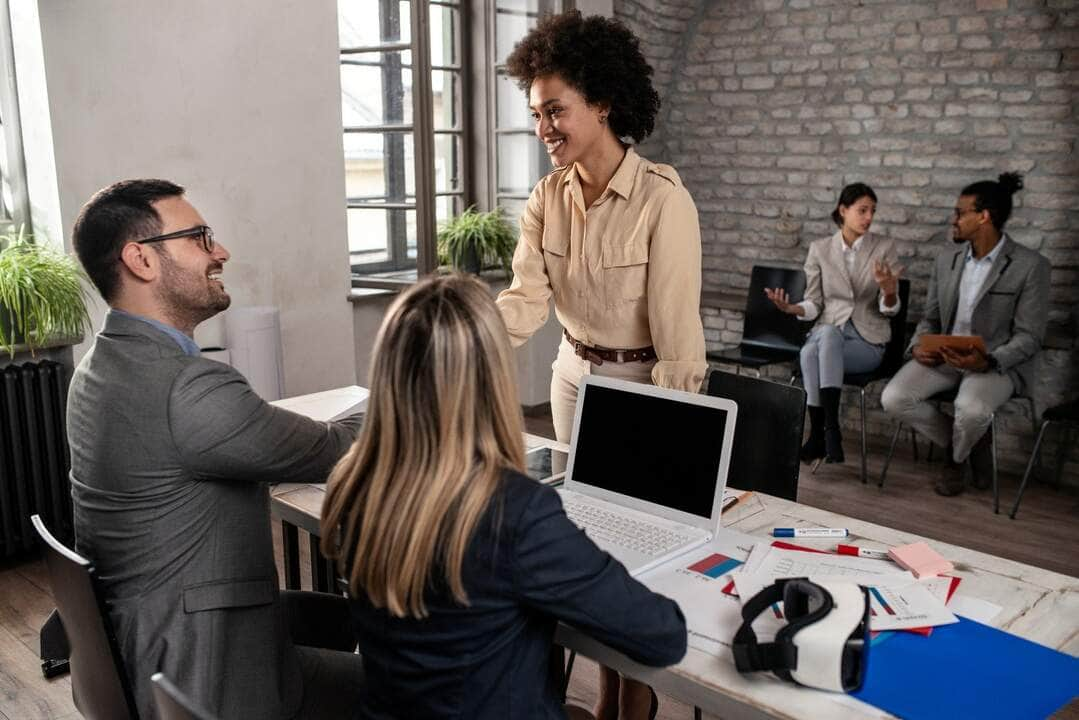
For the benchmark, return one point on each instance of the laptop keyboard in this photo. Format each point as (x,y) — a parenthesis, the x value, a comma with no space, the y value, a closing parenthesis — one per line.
(602,525)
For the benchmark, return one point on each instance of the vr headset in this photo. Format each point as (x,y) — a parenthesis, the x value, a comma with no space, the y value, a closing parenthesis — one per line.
(825,643)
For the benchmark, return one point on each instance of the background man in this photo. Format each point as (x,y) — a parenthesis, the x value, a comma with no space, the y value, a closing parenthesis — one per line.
(171,454)
(989,286)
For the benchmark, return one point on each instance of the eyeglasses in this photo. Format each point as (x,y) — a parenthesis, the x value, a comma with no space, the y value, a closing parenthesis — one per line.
(203,232)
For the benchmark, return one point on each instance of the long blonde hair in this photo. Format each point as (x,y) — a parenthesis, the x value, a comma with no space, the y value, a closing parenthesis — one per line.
(443,422)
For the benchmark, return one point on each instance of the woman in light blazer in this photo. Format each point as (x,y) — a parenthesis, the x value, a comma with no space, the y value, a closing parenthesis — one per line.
(852,281)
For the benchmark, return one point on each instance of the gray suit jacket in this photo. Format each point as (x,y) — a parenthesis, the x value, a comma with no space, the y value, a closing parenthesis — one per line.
(1010,312)
(170,460)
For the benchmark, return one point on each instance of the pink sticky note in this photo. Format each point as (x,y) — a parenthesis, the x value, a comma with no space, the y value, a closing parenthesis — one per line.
(920,559)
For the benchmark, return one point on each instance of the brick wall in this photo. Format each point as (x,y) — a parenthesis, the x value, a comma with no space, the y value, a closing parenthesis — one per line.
(771,106)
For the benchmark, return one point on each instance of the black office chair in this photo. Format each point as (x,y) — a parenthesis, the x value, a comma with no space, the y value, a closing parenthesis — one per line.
(949,396)
(768,433)
(768,335)
(172,704)
(99,684)
(1066,415)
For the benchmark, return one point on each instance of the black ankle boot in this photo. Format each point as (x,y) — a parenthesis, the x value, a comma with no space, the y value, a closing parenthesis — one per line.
(814,445)
(833,438)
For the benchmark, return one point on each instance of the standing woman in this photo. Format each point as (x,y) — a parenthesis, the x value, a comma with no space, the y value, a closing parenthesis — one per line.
(459,566)
(612,237)
(852,283)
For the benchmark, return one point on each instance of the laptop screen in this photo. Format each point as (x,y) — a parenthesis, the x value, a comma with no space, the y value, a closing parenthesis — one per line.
(656,449)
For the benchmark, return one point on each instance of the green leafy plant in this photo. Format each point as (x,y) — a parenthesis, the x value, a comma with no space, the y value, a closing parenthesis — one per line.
(476,240)
(41,293)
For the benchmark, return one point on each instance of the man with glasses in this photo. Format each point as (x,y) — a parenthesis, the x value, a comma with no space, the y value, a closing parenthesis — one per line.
(171,454)
(989,286)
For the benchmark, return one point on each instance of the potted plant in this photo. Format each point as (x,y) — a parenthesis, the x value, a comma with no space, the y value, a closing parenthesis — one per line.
(475,240)
(41,294)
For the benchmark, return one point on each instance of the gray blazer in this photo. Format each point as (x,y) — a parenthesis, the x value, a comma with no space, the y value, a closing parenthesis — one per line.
(1010,311)
(170,460)
(840,294)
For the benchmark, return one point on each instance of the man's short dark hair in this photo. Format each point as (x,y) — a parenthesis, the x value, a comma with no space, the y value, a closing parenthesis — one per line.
(996,197)
(113,217)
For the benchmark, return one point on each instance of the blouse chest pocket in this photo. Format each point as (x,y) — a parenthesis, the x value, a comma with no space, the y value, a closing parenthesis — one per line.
(555,246)
(625,272)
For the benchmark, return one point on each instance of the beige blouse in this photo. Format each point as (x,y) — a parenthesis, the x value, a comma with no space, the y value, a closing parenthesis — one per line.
(625,273)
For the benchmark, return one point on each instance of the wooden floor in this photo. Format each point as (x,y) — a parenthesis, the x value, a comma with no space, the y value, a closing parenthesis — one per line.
(1047,522)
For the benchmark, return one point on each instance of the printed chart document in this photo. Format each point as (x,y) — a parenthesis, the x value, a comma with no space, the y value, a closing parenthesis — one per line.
(782,563)
(696,581)
(329,404)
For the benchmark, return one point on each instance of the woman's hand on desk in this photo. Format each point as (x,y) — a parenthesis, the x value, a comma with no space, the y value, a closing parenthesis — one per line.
(779,298)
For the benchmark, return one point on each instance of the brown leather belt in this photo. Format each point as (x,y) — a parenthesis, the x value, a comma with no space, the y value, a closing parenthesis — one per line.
(598,355)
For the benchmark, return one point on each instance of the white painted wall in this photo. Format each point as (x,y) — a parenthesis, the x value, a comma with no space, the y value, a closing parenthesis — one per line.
(238,101)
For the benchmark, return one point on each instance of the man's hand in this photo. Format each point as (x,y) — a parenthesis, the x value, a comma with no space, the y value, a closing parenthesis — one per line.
(929,358)
(971,359)
(780,299)
(887,279)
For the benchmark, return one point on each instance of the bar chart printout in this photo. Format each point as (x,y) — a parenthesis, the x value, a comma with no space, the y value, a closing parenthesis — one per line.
(714,566)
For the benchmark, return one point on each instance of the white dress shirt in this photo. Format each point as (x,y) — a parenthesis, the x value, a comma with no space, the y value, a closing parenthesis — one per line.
(850,253)
(975,272)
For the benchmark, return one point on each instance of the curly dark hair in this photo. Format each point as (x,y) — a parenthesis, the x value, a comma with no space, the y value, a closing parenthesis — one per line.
(600,58)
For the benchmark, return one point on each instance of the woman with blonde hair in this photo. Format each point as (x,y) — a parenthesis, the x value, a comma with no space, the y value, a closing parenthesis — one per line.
(459,566)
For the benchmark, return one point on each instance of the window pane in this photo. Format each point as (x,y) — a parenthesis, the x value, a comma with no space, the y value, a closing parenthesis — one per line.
(445,23)
(448,162)
(361,23)
(379,165)
(511,104)
(447,206)
(376,237)
(446,87)
(375,89)
(514,18)
(522,161)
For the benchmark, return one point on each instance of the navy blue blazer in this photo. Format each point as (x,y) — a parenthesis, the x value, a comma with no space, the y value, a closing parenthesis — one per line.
(527,567)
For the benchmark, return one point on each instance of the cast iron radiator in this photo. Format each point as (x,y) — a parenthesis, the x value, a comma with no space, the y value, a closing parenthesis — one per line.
(34,457)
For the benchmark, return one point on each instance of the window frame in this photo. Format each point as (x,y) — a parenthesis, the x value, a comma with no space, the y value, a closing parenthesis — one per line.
(423,132)
(13,161)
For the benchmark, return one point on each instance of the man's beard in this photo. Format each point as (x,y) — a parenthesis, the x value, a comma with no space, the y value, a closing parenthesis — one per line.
(188,299)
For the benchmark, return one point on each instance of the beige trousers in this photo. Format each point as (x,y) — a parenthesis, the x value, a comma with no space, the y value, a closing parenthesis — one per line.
(980,394)
(569,369)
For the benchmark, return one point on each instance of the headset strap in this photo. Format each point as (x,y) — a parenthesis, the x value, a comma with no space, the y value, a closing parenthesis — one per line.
(749,655)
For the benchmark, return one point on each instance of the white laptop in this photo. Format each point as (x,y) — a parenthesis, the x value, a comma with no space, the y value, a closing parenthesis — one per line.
(647,469)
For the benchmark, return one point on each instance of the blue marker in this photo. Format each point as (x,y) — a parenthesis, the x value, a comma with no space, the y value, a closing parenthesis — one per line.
(809,532)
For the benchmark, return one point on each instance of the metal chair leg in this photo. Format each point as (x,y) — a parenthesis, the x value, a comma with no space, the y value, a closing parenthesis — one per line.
(996,484)
(864,449)
(697,714)
(914,444)
(1030,466)
(888,457)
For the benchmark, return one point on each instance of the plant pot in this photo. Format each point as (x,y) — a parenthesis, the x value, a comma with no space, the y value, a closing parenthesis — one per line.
(470,261)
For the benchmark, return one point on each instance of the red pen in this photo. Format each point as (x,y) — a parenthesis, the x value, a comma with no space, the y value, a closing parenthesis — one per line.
(861,552)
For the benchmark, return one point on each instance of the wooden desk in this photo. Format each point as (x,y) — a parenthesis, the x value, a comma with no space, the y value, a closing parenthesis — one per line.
(1036,604)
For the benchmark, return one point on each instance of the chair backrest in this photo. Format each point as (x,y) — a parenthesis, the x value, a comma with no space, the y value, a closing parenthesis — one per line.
(172,704)
(893,352)
(768,433)
(99,685)
(764,325)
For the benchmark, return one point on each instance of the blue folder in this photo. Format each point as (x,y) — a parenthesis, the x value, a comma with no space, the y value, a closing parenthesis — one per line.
(968,670)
